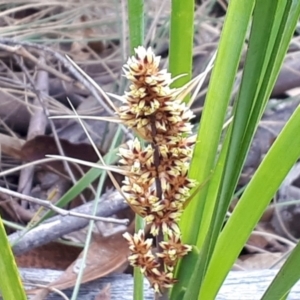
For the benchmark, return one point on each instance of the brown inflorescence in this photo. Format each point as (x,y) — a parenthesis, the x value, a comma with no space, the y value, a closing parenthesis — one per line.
(156,113)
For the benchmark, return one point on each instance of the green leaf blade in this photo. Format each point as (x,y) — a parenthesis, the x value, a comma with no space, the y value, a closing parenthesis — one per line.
(11,286)
(286,278)
(181,41)
(241,223)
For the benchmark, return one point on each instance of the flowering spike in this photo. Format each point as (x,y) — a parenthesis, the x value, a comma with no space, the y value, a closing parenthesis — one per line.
(156,183)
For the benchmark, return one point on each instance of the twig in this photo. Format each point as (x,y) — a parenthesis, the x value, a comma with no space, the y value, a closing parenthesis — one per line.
(61,211)
(14,209)
(39,94)
(48,289)
(58,226)
(37,124)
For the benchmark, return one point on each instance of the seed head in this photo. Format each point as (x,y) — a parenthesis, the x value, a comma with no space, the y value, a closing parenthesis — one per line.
(156,184)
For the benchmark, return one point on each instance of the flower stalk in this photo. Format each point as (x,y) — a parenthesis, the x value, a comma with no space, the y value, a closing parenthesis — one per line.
(157,184)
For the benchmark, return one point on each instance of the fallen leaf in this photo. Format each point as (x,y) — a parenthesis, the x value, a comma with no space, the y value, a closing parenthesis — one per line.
(260,261)
(42,145)
(54,256)
(105,256)
(261,240)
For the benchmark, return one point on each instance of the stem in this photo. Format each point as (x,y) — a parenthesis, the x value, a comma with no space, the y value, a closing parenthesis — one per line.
(159,193)
(136,23)
(138,288)
(136,36)
(156,160)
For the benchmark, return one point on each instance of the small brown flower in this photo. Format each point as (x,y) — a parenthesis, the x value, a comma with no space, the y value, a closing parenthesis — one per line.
(141,251)
(160,280)
(173,249)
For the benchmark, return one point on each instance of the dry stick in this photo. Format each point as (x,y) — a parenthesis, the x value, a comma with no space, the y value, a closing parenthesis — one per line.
(66,63)
(58,226)
(160,236)
(48,289)
(39,94)
(14,209)
(37,125)
(60,211)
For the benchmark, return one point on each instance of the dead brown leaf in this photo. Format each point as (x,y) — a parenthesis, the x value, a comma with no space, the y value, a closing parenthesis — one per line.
(259,261)
(105,256)
(40,146)
(263,241)
(54,256)
(256,242)
(43,145)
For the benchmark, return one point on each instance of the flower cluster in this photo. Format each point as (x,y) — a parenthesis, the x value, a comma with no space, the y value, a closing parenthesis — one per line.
(156,185)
